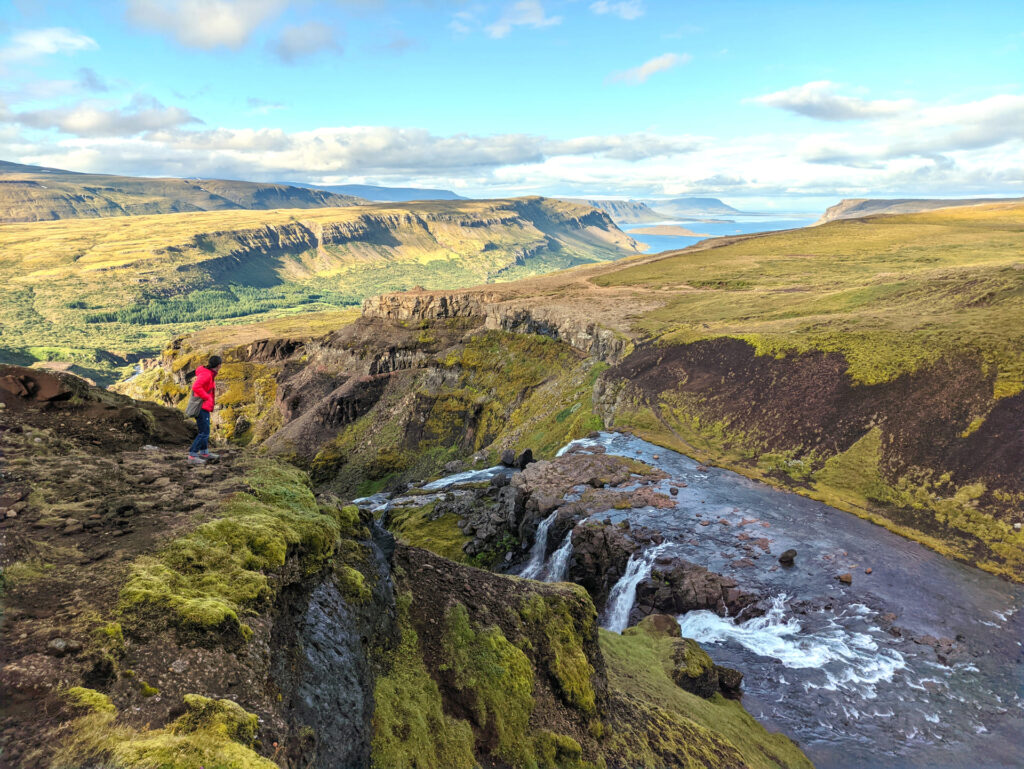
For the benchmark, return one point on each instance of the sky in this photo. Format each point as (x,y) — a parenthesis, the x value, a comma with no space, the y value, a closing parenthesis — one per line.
(772,105)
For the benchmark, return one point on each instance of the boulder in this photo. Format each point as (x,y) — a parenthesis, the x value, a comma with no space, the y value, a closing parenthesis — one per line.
(524,459)
(729,682)
(676,586)
(661,625)
(693,670)
(787,558)
(600,552)
(846,579)
(508,458)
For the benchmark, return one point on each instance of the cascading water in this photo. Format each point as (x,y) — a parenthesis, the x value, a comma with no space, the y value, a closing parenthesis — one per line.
(846,659)
(540,546)
(559,564)
(620,600)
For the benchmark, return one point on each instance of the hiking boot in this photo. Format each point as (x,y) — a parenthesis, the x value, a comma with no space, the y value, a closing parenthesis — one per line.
(195,459)
(208,455)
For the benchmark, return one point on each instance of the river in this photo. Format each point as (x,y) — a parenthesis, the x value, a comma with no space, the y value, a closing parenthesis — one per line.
(821,665)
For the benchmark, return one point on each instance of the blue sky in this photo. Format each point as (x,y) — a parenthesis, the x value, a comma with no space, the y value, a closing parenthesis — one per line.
(784,104)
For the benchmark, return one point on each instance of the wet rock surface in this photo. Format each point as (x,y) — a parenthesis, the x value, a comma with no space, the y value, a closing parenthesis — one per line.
(677,586)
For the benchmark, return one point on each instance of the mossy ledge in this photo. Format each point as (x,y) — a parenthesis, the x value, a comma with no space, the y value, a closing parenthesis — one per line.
(210,733)
(203,583)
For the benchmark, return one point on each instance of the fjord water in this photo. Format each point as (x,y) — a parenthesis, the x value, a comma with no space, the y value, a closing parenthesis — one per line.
(820,665)
(736,225)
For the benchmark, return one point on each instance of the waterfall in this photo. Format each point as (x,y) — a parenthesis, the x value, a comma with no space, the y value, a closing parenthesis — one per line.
(539,550)
(559,564)
(620,600)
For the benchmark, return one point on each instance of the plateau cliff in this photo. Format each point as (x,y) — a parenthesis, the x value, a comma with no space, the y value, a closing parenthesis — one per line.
(35,194)
(854,208)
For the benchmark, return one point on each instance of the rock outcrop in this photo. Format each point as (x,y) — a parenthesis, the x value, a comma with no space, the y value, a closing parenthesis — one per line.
(677,586)
(501,313)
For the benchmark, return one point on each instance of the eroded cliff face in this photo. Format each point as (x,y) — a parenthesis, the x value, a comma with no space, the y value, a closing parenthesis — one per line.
(500,312)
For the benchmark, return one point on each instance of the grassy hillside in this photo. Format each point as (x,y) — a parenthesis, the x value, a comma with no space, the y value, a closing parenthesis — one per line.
(97,291)
(35,194)
(889,293)
(877,364)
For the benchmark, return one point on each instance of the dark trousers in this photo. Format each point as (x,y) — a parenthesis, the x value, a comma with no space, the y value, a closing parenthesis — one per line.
(202,441)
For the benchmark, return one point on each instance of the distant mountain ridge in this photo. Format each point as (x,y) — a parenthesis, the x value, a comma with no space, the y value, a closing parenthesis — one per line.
(377,194)
(853,208)
(622,211)
(679,207)
(35,194)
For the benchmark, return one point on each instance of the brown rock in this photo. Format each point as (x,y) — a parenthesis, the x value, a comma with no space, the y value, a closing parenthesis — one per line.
(846,579)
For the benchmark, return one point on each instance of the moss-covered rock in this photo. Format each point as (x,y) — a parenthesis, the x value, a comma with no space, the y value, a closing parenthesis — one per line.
(204,582)
(410,727)
(494,681)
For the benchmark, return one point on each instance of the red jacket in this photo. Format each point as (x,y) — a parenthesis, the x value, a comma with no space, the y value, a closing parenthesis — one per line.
(203,387)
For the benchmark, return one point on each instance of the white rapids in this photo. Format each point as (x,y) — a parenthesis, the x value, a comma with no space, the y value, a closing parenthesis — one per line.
(847,659)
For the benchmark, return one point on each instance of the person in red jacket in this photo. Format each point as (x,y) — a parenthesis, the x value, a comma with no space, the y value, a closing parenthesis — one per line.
(203,387)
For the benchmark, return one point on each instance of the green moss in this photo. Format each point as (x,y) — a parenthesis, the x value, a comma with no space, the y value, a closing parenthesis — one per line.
(89,700)
(353,584)
(211,733)
(557,751)
(205,581)
(550,618)
(146,690)
(676,728)
(857,470)
(222,716)
(413,526)
(691,660)
(410,728)
(499,679)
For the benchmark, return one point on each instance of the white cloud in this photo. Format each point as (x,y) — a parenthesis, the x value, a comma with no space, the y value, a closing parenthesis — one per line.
(301,40)
(972,148)
(524,13)
(98,119)
(925,132)
(627,9)
(205,24)
(661,63)
(820,99)
(32,43)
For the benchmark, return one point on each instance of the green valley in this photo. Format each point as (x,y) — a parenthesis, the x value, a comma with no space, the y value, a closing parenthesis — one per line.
(101,292)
